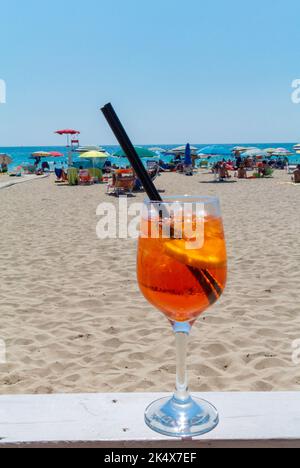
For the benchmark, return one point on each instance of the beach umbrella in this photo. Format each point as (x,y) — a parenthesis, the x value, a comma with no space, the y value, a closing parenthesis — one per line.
(68,132)
(182,149)
(142,153)
(5,159)
(240,148)
(93,155)
(282,152)
(56,154)
(158,150)
(215,150)
(188,156)
(86,149)
(254,153)
(41,154)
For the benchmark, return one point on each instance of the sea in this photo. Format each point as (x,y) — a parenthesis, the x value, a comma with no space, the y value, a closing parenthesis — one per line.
(21,155)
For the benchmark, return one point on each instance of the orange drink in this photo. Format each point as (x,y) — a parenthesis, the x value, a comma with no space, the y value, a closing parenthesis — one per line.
(182,282)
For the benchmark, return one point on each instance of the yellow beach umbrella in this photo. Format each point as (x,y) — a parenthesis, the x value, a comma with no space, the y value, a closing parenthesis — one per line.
(41,154)
(94,155)
(270,150)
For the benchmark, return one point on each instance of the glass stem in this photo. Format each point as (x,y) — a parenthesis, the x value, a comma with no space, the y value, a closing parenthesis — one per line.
(182,392)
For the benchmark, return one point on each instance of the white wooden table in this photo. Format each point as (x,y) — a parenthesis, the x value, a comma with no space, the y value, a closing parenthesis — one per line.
(116,421)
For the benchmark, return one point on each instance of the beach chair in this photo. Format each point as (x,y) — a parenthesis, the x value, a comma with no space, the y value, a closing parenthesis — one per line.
(188,169)
(58,173)
(85,177)
(153,169)
(291,168)
(203,165)
(61,176)
(121,182)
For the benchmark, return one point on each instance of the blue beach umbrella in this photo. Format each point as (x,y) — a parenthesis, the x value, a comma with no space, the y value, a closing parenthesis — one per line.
(188,155)
(215,150)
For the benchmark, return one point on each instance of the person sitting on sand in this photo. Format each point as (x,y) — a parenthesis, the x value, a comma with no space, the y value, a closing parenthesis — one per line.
(242,172)
(223,172)
(64,175)
(264,168)
(249,163)
(296,175)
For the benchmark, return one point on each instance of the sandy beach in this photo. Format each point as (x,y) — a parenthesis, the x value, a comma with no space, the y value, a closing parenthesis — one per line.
(74,320)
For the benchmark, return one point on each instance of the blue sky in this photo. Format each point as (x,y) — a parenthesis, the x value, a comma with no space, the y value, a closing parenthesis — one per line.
(199,71)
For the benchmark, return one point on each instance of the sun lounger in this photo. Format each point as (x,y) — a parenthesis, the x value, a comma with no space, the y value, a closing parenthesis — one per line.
(85,177)
(58,173)
(153,169)
(121,182)
(291,168)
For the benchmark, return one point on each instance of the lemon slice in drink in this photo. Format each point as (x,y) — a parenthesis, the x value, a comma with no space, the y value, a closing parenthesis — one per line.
(213,254)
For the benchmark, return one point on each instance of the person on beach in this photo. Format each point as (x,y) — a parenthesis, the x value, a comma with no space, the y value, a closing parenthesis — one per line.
(4,168)
(215,169)
(242,172)
(249,163)
(223,172)
(64,175)
(239,161)
(296,175)
(264,168)
(45,166)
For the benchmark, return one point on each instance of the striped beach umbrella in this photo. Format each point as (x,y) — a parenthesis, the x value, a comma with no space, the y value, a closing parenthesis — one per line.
(5,159)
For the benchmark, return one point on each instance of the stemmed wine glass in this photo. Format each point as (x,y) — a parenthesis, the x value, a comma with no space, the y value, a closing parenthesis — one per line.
(182,271)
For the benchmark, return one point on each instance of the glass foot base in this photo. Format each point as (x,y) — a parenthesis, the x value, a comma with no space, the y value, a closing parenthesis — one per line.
(184,419)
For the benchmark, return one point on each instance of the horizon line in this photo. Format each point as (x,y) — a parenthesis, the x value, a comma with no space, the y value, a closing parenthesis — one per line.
(154,144)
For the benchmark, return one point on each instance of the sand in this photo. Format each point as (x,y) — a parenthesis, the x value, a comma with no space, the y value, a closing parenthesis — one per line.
(73,319)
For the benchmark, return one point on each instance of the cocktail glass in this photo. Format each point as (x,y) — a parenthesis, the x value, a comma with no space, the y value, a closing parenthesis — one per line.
(182,271)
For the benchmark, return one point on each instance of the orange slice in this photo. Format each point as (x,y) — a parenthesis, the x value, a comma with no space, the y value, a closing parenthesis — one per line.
(213,254)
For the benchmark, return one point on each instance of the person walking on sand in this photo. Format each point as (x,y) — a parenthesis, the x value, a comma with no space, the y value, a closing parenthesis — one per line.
(296,175)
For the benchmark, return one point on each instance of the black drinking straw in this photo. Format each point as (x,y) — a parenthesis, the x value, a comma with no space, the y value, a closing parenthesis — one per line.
(204,278)
(128,148)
